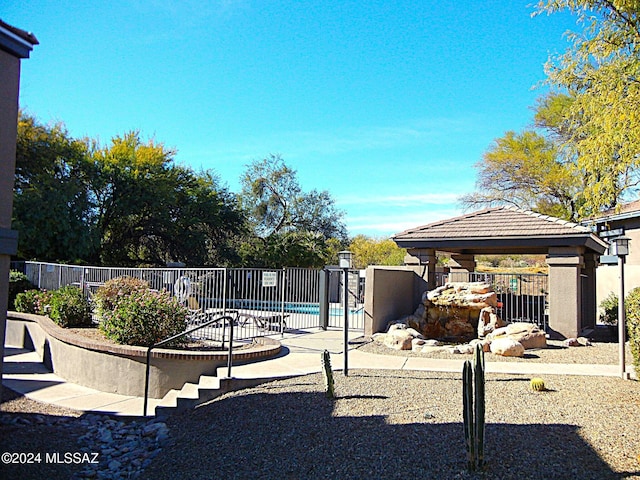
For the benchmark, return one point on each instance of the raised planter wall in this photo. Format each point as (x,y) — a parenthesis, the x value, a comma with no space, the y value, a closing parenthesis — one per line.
(121,368)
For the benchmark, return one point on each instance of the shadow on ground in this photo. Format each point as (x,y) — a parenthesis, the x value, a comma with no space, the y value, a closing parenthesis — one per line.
(295,436)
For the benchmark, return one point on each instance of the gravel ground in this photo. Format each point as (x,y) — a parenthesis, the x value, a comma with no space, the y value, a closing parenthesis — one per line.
(32,427)
(407,425)
(384,424)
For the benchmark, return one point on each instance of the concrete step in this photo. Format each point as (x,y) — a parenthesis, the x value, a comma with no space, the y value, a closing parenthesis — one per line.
(190,395)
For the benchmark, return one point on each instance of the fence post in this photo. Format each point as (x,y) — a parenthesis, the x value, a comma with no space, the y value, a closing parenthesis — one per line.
(324,299)
(282,295)
(345,306)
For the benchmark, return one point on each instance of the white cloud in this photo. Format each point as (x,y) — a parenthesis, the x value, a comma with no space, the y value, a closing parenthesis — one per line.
(385,225)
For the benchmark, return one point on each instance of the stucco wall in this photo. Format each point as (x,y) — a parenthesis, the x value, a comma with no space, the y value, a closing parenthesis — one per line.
(390,294)
(121,370)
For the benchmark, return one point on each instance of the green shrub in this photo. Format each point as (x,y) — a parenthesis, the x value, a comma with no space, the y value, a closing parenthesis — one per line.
(69,307)
(609,310)
(18,283)
(34,301)
(28,302)
(144,318)
(107,296)
(632,310)
(66,306)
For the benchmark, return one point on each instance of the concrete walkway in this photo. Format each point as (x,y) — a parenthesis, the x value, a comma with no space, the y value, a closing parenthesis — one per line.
(25,374)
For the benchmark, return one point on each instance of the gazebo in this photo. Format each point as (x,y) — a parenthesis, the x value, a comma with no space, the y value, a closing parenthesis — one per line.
(571,250)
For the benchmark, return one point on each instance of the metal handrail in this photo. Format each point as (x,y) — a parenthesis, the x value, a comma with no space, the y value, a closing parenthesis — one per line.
(227,318)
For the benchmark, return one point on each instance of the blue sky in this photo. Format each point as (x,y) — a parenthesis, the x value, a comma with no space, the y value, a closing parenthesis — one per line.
(386,104)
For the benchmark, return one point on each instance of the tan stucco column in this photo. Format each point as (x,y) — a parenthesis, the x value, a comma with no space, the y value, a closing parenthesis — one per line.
(565,290)
(423,261)
(460,266)
(9,81)
(462,263)
(589,295)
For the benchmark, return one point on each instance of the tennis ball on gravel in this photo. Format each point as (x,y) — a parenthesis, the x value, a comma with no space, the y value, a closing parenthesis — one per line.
(537,385)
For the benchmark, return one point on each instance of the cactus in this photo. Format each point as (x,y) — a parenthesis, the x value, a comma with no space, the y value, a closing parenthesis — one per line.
(537,385)
(479,403)
(467,413)
(328,375)
(473,402)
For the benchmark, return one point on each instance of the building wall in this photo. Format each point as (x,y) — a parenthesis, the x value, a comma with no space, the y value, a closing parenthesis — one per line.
(9,83)
(608,276)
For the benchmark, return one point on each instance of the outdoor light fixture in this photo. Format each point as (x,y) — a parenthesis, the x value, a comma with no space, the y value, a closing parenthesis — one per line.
(344,259)
(620,247)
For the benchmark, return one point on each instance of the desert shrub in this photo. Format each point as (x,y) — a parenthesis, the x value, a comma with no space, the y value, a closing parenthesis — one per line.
(609,309)
(144,317)
(33,301)
(632,310)
(18,283)
(69,307)
(108,295)
(27,302)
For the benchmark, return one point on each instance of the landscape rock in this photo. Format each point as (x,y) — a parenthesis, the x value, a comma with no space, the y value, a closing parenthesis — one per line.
(398,339)
(507,347)
(451,311)
(528,335)
(584,341)
(465,349)
(488,321)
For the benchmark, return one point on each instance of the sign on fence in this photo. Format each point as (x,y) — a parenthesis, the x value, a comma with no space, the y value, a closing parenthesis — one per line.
(269,279)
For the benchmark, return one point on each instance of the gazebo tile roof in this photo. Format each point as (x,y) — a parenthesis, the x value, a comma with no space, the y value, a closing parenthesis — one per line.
(504,222)
(500,229)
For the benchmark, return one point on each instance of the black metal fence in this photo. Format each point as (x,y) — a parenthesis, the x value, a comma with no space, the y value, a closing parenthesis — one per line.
(522,297)
(267,301)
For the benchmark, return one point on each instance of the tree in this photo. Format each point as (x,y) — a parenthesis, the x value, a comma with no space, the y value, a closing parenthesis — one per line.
(274,201)
(525,170)
(151,212)
(52,209)
(290,227)
(601,72)
(370,251)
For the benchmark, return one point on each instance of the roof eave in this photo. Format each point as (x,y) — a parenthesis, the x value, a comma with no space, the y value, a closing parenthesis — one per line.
(535,244)
(15,41)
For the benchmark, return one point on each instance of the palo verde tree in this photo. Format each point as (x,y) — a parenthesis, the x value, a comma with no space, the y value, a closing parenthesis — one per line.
(601,73)
(371,251)
(290,227)
(527,170)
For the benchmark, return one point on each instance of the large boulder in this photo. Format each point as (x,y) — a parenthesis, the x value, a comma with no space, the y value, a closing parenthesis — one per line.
(399,340)
(507,347)
(488,321)
(451,311)
(527,334)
